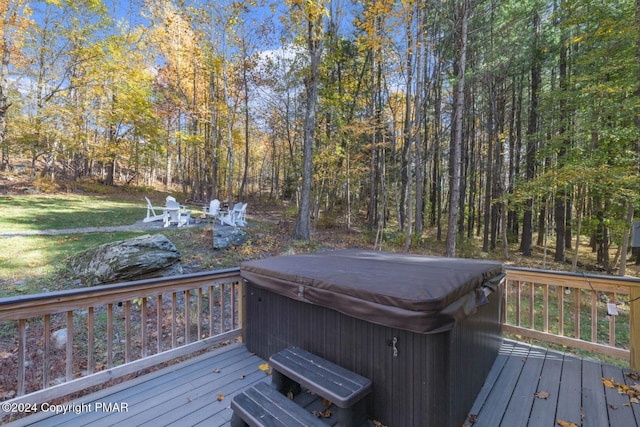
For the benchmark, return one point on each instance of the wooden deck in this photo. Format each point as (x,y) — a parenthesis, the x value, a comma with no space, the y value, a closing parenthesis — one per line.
(187,394)
(522,375)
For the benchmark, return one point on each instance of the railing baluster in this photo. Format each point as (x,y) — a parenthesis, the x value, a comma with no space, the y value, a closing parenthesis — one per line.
(187,316)
(143,327)
(232,295)
(174,338)
(91,361)
(561,310)
(241,312)
(159,328)
(594,317)
(22,352)
(199,311)
(109,336)
(46,343)
(505,301)
(211,310)
(69,350)
(576,313)
(127,331)
(532,299)
(545,307)
(222,310)
(612,323)
(518,304)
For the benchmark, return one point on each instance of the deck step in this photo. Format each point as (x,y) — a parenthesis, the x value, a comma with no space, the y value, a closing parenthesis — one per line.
(262,405)
(294,368)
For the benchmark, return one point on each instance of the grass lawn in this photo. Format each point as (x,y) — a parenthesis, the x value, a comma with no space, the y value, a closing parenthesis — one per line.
(30,264)
(36,263)
(46,212)
(35,257)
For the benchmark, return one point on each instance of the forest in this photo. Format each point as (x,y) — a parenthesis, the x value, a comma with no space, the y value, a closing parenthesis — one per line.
(509,121)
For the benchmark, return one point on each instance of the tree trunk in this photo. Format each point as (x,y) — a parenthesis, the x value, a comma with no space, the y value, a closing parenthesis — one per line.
(532,133)
(436,189)
(407,146)
(230,155)
(560,200)
(489,168)
(245,82)
(213,135)
(454,185)
(303,227)
(625,241)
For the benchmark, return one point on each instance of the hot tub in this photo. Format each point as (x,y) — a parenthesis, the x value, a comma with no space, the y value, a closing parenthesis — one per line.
(425,330)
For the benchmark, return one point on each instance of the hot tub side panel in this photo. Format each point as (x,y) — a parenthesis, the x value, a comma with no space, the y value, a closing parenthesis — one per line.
(474,343)
(431,381)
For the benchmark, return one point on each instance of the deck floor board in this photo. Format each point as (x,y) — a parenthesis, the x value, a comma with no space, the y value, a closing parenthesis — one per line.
(186,394)
(523,396)
(544,410)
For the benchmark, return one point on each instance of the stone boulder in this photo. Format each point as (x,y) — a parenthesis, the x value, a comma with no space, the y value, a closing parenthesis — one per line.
(226,237)
(133,259)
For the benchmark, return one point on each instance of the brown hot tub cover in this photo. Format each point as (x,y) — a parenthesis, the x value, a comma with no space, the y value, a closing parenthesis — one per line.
(417,293)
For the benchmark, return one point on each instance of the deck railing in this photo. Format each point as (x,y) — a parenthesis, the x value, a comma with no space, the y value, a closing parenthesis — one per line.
(57,343)
(115,330)
(591,312)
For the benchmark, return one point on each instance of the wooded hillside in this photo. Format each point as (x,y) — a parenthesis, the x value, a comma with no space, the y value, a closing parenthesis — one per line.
(506,119)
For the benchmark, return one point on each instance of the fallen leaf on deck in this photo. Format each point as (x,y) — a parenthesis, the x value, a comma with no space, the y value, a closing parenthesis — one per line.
(634,376)
(220,397)
(324,414)
(326,402)
(377,423)
(472,418)
(614,407)
(542,395)
(562,423)
(634,400)
(290,395)
(608,382)
(216,371)
(265,368)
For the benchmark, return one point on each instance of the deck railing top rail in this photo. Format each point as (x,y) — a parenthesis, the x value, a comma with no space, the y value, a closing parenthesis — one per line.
(575,280)
(22,307)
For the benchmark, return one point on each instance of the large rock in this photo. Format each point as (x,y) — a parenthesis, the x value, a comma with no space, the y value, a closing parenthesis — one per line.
(138,258)
(226,237)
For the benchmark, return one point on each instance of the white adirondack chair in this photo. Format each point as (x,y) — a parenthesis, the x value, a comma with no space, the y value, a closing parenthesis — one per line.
(231,216)
(174,213)
(241,219)
(213,210)
(151,213)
